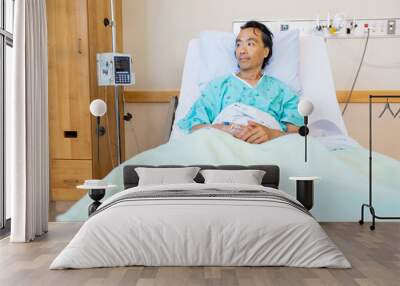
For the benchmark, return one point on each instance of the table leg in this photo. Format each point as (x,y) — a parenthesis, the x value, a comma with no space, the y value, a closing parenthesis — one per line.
(96,195)
(305,193)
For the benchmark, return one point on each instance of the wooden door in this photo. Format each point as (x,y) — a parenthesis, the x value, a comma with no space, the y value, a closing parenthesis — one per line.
(69,96)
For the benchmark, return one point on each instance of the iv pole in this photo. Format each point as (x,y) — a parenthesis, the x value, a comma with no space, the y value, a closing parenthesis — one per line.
(116,97)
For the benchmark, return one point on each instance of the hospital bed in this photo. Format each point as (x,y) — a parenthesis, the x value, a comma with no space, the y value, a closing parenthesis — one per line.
(338,195)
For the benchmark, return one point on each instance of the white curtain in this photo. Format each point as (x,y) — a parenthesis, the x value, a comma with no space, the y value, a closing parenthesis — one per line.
(27,124)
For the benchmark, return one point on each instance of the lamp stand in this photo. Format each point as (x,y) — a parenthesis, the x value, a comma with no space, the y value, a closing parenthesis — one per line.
(98,137)
(303,131)
(305,138)
(100,131)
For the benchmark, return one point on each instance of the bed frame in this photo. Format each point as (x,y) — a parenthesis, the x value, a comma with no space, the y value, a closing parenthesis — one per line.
(169,122)
(270,179)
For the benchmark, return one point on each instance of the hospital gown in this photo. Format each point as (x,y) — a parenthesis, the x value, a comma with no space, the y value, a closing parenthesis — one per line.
(270,95)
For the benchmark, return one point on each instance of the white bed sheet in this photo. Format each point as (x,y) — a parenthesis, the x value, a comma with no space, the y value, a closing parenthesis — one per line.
(207,231)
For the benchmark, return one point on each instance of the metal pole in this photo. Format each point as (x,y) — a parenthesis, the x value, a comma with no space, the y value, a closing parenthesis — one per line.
(114,36)
(370,150)
(305,137)
(98,138)
(116,97)
(305,152)
(117,123)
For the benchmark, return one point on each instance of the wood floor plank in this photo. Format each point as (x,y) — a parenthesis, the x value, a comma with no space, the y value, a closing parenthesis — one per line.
(375,258)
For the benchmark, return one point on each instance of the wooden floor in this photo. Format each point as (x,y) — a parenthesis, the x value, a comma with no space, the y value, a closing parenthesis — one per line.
(375,257)
(58,207)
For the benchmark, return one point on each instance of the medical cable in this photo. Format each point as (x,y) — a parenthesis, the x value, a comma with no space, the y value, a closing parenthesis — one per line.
(357,74)
(109,143)
(134,136)
(108,132)
(132,127)
(123,100)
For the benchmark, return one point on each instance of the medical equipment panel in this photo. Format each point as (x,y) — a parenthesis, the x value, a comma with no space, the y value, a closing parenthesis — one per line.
(336,27)
(114,69)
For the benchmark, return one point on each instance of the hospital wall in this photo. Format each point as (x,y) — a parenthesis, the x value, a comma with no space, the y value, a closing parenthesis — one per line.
(156,33)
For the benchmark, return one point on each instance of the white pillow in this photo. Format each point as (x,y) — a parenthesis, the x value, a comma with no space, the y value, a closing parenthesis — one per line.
(217,54)
(165,176)
(248,177)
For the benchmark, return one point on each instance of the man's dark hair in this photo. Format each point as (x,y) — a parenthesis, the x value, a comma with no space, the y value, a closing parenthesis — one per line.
(266,36)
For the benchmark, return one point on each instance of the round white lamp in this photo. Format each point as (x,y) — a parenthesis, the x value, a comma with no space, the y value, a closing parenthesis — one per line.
(98,108)
(305,108)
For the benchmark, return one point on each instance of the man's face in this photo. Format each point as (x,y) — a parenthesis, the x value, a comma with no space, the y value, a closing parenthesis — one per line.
(250,51)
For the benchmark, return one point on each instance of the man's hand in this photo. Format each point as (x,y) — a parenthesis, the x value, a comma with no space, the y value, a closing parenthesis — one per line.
(233,129)
(257,133)
(228,128)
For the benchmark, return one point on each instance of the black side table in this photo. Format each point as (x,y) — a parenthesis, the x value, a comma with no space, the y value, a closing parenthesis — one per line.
(96,193)
(305,190)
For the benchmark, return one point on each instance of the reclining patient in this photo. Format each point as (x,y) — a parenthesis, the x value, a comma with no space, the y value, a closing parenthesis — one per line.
(249,105)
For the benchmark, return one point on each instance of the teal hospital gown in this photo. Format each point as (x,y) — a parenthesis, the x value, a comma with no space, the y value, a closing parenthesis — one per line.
(269,95)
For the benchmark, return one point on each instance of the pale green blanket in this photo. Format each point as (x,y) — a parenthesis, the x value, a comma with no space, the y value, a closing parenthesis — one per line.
(342,188)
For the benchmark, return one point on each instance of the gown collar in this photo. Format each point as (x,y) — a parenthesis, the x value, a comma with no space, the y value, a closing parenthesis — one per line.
(246,83)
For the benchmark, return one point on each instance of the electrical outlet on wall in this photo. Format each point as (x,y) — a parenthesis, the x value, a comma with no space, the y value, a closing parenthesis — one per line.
(391,27)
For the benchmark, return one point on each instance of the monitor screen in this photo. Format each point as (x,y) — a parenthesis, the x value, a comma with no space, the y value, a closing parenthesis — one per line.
(122,64)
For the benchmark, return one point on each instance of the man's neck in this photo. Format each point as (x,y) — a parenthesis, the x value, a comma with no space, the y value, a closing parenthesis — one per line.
(251,75)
